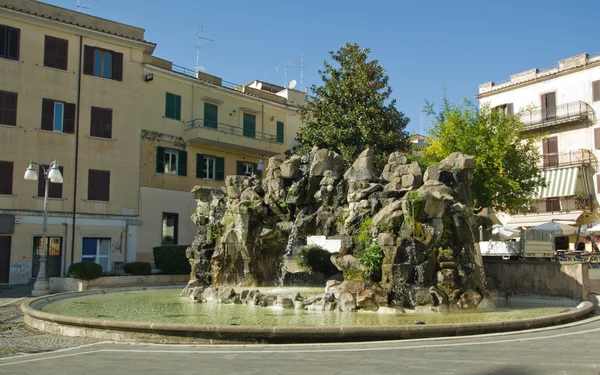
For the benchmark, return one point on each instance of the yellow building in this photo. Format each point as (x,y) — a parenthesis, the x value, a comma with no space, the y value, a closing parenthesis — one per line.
(132,134)
(197,129)
(71,91)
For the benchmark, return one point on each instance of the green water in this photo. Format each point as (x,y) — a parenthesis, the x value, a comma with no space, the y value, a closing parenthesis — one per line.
(165,306)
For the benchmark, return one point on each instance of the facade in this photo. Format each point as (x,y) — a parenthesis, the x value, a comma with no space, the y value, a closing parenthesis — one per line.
(560,103)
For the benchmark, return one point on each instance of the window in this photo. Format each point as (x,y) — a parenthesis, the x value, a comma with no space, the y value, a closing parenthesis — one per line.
(9,42)
(98,185)
(245,168)
(102,63)
(552,205)
(210,167)
(597,138)
(211,115)
(279,132)
(171,161)
(101,123)
(550,151)
(96,250)
(8,108)
(549,106)
(56,52)
(249,125)
(506,109)
(6,177)
(58,116)
(595,91)
(54,190)
(53,252)
(173,106)
(170,227)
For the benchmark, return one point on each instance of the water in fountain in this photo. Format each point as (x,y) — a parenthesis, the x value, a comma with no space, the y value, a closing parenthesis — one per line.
(291,246)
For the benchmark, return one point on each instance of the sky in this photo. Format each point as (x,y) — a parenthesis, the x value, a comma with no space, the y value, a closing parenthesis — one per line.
(426,46)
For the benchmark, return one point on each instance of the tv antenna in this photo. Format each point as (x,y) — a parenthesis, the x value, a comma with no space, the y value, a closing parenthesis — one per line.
(84,4)
(301,64)
(200,37)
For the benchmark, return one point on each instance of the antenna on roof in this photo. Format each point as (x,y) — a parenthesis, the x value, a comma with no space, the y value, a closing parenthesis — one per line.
(85,4)
(421,120)
(301,65)
(198,66)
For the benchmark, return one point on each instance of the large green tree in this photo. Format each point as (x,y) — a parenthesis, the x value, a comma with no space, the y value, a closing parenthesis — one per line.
(352,109)
(506,175)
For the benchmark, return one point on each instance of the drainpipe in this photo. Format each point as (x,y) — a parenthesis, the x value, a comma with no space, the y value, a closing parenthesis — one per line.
(262,130)
(76,148)
(64,257)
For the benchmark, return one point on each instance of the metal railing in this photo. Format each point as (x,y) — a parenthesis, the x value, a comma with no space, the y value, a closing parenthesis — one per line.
(230,129)
(561,204)
(574,111)
(570,158)
(192,73)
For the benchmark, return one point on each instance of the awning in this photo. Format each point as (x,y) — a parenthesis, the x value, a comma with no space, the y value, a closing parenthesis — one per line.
(531,220)
(559,183)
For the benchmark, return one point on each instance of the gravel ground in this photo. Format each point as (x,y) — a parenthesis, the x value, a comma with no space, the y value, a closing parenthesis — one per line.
(16,338)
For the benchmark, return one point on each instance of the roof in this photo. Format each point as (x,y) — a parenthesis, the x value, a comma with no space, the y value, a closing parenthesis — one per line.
(54,13)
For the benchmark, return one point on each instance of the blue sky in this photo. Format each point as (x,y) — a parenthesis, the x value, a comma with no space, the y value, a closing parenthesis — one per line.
(424,45)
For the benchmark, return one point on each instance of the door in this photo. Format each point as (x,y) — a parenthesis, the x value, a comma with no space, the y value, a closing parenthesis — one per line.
(97,250)
(550,151)
(249,125)
(549,106)
(4,259)
(53,260)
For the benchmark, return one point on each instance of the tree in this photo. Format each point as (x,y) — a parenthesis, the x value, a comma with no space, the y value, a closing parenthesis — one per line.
(506,175)
(352,110)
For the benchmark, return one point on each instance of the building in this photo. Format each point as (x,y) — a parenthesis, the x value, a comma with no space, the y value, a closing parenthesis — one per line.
(197,129)
(132,134)
(561,103)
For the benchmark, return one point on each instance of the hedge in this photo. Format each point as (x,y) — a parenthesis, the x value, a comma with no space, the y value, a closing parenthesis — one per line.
(85,270)
(171,259)
(138,268)
(316,259)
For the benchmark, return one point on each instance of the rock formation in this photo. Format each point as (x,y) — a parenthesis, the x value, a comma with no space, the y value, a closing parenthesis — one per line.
(419,226)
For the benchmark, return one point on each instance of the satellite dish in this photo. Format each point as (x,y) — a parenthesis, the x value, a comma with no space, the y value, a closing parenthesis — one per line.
(292,84)
(259,86)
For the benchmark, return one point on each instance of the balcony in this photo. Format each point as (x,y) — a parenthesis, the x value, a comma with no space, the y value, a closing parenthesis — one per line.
(579,157)
(561,114)
(577,202)
(219,134)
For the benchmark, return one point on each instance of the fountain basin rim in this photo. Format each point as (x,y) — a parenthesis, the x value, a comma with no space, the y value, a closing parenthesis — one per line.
(130,331)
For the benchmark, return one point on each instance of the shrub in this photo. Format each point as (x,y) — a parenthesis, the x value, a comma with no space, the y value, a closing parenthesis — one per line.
(85,270)
(314,258)
(371,258)
(171,259)
(138,268)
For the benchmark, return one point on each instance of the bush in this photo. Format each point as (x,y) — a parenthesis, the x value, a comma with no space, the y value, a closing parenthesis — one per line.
(314,258)
(138,268)
(171,259)
(371,258)
(85,270)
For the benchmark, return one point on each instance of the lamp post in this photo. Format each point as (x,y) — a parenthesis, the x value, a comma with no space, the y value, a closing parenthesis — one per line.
(52,174)
(260,166)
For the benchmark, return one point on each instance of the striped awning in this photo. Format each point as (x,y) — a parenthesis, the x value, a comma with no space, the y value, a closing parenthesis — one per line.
(559,182)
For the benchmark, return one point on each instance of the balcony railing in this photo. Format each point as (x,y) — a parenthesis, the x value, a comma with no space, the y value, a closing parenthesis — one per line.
(570,158)
(561,204)
(230,129)
(568,112)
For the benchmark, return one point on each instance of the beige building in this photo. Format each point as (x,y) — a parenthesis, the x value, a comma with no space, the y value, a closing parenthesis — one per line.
(132,134)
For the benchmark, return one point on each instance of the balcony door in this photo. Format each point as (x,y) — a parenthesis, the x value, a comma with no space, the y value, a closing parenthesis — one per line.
(249,125)
(549,106)
(550,151)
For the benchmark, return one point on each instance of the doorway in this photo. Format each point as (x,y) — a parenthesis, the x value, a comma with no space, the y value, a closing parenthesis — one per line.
(4,259)
(54,258)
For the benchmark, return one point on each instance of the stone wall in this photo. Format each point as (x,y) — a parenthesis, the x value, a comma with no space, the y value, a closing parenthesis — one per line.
(559,279)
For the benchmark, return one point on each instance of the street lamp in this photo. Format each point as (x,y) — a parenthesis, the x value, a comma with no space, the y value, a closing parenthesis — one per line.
(52,174)
(261,165)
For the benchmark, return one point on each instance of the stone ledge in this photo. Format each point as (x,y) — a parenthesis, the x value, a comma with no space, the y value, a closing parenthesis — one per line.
(67,284)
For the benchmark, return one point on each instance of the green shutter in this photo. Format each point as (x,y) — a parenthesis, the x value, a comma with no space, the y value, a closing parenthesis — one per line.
(177,107)
(279,132)
(200,166)
(173,106)
(240,166)
(220,169)
(211,115)
(182,163)
(249,125)
(160,160)
(168,107)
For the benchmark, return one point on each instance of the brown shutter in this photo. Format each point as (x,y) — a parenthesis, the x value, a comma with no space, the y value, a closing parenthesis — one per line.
(107,123)
(88,60)
(552,145)
(595,91)
(95,118)
(509,109)
(69,118)
(598,184)
(545,152)
(98,185)
(41,182)
(62,53)
(551,99)
(117,67)
(597,138)
(6,177)
(47,114)
(101,122)
(8,108)
(50,51)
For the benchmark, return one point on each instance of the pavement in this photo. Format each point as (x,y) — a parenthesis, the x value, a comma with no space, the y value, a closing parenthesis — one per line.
(12,293)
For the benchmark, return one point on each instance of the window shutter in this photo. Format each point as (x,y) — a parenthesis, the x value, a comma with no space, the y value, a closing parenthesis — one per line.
(211,113)
(47,114)
(14,36)
(3,31)
(239,168)
(107,123)
(49,51)
(160,159)
(182,163)
(552,145)
(69,118)
(279,132)
(117,66)
(598,184)
(88,60)
(200,167)
(597,138)
(177,107)
(220,169)
(98,185)
(8,108)
(55,190)
(509,109)
(168,106)
(62,53)
(595,91)
(6,177)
